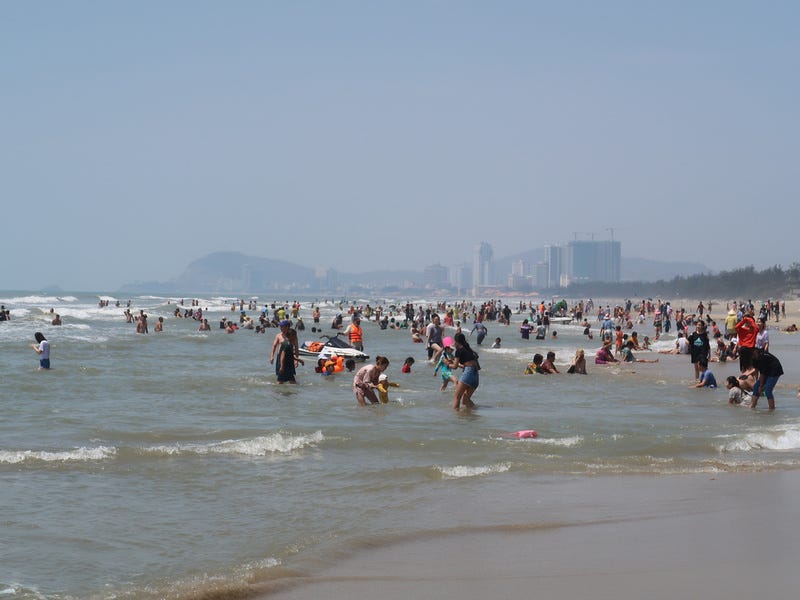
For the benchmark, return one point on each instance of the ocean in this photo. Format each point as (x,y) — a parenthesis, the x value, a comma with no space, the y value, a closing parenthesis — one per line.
(172,465)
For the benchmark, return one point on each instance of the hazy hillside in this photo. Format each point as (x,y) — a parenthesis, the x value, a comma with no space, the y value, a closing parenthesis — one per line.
(236,273)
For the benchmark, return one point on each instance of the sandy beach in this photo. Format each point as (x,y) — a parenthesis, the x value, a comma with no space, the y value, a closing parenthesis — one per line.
(727,536)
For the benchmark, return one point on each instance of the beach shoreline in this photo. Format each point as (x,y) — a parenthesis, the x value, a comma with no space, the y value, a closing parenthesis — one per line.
(731,535)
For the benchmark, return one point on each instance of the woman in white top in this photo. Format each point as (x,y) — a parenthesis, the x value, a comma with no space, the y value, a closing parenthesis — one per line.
(42,348)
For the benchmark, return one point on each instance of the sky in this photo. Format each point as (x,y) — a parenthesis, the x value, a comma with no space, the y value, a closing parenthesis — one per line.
(140,136)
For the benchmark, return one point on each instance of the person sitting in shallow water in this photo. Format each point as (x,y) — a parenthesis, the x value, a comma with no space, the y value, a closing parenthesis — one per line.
(604,355)
(535,365)
(706,378)
(627,354)
(578,363)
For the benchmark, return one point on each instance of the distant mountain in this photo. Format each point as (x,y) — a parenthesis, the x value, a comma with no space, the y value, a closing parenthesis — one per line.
(235,273)
(238,274)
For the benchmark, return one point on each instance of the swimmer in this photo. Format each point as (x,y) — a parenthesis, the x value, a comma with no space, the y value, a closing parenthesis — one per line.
(407,365)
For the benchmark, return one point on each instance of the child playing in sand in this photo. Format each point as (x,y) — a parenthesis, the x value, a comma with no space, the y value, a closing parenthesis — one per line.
(383,387)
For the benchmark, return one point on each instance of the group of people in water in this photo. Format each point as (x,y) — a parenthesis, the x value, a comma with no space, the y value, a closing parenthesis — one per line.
(744,337)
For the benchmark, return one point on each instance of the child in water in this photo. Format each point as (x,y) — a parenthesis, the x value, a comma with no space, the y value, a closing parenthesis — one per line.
(383,387)
(706,378)
(407,364)
(736,395)
(447,355)
(496,343)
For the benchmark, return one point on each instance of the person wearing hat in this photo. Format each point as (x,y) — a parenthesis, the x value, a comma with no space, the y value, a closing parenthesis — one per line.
(355,333)
(383,387)
(730,324)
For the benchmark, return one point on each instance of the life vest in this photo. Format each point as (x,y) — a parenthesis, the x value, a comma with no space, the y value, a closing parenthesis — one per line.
(315,346)
(339,366)
(356,334)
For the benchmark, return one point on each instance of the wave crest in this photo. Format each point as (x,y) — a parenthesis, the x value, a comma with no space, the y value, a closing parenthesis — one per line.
(466,471)
(78,454)
(276,443)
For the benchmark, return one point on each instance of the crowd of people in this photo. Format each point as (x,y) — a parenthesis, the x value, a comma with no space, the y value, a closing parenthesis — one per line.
(744,337)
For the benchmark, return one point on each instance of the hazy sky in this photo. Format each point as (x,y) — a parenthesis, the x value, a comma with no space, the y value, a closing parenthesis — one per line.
(139,136)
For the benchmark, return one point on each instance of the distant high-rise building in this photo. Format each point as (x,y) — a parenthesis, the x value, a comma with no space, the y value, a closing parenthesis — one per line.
(519,268)
(578,261)
(461,277)
(540,274)
(482,265)
(553,260)
(592,261)
(436,276)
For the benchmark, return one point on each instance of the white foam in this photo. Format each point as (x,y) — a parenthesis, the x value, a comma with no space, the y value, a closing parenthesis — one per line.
(465,471)
(567,442)
(276,443)
(780,439)
(78,454)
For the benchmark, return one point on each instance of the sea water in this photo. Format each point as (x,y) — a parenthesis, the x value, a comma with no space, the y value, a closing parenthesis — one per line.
(172,464)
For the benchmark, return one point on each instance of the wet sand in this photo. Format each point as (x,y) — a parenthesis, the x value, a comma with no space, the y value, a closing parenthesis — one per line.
(688,536)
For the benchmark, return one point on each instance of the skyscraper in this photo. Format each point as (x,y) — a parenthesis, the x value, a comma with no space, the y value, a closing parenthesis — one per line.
(482,266)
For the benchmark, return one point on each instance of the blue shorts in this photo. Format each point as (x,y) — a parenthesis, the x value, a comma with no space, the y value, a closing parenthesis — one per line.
(470,377)
(769,385)
(44,363)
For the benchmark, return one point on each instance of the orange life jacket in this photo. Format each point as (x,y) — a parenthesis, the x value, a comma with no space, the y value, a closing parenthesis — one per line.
(356,334)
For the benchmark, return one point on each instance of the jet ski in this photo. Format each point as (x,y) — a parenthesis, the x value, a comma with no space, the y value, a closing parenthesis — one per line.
(331,345)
